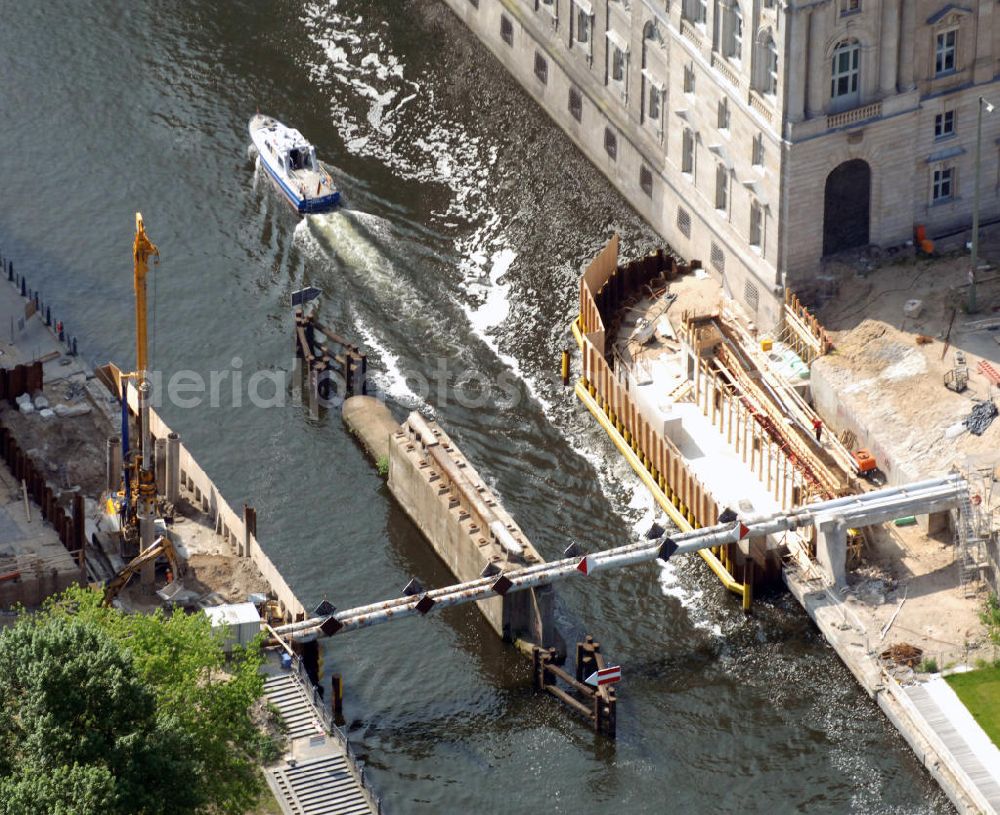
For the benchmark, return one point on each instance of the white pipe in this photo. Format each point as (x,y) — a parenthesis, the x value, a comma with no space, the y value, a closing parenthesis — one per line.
(930,495)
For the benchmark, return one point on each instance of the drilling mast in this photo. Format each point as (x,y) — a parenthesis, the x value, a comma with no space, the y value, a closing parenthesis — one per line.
(142,476)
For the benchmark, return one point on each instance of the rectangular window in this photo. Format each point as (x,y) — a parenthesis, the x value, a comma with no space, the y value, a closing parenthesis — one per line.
(944,52)
(756,224)
(695,10)
(541,68)
(722,115)
(721,186)
(582,26)
(506,29)
(575,104)
(687,152)
(757,158)
(944,124)
(943,188)
(850,6)
(617,64)
(846,61)
(610,143)
(688,79)
(654,104)
(646,180)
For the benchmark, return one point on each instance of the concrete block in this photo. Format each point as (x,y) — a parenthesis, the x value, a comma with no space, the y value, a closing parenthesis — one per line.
(831,549)
(934,523)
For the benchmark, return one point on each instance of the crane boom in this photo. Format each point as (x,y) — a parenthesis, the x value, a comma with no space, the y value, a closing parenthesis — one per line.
(142,249)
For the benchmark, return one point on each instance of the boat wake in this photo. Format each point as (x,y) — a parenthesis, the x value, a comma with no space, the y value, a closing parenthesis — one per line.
(384,115)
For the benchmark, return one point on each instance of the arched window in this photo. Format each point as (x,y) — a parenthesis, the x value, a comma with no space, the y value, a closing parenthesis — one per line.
(845,72)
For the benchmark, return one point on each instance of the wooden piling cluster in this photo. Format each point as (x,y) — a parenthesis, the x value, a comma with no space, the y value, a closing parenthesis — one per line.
(68,523)
(597,705)
(323,357)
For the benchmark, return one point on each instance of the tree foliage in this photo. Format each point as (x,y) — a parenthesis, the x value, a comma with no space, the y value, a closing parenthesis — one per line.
(106,712)
(990,617)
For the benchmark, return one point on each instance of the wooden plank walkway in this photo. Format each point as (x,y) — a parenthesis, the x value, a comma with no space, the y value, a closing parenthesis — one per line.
(960,740)
(318,776)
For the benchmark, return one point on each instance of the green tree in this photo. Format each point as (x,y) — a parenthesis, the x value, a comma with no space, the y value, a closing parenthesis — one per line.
(125,713)
(990,617)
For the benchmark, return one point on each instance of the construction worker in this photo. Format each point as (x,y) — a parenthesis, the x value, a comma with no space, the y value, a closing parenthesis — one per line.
(818,427)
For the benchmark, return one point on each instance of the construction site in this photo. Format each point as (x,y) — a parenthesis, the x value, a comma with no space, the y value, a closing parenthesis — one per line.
(849,458)
(725,423)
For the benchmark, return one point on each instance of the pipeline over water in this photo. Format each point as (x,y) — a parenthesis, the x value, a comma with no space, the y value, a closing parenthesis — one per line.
(933,495)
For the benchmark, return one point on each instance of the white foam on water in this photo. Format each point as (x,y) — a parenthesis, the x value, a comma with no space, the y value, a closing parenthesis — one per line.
(434,148)
(391,380)
(496,305)
(370,267)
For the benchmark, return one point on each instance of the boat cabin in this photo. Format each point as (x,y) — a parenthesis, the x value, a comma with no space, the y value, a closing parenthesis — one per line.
(301,158)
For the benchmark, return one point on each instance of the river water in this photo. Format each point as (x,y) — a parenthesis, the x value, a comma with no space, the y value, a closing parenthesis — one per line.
(455,264)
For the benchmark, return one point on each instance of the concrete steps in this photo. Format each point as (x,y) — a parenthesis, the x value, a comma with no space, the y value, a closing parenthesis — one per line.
(323,781)
(321,786)
(292,700)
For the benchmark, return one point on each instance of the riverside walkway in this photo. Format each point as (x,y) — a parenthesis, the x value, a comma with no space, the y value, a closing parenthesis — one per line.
(970,748)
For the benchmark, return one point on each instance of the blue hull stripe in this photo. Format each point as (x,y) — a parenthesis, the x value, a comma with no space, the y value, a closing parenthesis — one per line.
(302,205)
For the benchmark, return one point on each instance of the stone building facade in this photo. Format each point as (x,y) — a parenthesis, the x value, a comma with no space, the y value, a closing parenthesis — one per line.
(762,135)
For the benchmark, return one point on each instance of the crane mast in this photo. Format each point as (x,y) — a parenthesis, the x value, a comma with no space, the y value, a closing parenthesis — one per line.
(141,477)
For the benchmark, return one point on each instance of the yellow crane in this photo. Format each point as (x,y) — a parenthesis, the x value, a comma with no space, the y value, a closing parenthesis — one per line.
(142,250)
(138,477)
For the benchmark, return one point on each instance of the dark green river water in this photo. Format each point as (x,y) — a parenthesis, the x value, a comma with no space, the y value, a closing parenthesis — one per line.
(455,264)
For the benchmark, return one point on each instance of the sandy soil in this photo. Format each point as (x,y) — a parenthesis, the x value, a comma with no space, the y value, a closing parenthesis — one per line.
(73,449)
(883,373)
(908,581)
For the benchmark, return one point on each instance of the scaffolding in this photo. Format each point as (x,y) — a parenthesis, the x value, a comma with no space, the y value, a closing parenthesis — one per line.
(976,525)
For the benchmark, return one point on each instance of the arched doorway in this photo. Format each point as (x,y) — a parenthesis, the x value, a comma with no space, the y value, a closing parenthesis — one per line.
(847,206)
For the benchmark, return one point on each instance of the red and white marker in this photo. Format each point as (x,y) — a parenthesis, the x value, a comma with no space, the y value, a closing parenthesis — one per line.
(744,530)
(585,564)
(605,676)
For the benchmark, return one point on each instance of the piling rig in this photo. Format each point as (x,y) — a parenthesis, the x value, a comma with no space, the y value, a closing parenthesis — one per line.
(135,503)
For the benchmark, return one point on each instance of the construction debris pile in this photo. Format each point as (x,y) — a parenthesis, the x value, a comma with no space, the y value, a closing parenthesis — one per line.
(981,417)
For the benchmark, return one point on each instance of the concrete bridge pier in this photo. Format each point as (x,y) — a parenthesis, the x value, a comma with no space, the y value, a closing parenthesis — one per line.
(831,548)
(459,516)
